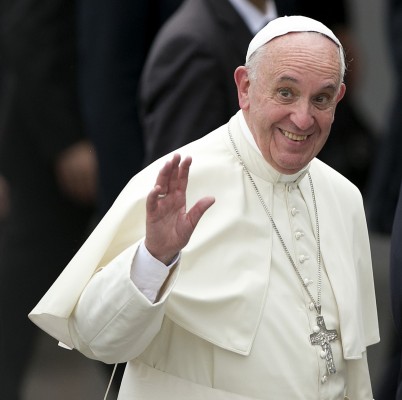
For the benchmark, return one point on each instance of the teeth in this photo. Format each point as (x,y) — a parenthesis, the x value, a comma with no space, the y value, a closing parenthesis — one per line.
(292,136)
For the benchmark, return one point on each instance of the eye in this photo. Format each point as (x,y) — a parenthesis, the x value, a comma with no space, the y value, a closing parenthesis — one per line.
(285,93)
(323,100)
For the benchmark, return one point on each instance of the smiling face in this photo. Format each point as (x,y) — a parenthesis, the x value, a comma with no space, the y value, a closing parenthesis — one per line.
(289,100)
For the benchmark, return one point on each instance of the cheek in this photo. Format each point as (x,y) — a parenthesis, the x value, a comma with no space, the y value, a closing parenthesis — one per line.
(267,112)
(264,121)
(266,143)
(324,121)
(321,139)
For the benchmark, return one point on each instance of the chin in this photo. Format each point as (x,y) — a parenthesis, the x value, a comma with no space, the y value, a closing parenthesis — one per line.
(291,168)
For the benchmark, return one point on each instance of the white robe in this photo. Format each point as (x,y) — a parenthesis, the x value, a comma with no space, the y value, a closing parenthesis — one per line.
(211,335)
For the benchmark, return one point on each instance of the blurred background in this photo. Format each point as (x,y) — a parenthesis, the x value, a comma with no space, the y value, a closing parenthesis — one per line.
(55,373)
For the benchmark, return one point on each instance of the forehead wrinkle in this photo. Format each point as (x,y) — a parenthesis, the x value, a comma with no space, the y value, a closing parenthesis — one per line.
(292,52)
(305,58)
(290,67)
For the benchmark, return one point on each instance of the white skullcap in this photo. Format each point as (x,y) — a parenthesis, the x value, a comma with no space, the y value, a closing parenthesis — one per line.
(283,25)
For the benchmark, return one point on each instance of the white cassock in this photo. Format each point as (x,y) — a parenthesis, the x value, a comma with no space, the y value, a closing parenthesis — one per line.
(234,321)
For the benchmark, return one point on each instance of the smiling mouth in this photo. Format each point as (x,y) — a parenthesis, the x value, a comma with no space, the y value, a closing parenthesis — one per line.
(292,136)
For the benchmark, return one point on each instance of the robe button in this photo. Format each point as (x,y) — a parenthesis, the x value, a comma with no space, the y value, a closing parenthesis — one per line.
(324,379)
(303,258)
(311,306)
(323,354)
(298,235)
(294,211)
(316,329)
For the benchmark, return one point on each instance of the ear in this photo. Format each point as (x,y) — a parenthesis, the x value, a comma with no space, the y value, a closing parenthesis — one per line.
(341,93)
(242,84)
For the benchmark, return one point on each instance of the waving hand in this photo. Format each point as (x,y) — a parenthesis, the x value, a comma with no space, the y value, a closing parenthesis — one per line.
(169,225)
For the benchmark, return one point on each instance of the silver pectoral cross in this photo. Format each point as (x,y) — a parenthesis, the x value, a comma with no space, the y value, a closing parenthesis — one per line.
(322,338)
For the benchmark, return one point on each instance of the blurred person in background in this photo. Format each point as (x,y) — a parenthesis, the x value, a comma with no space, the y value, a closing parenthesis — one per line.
(383,193)
(196,52)
(47,165)
(396,285)
(4,201)
(387,168)
(113,40)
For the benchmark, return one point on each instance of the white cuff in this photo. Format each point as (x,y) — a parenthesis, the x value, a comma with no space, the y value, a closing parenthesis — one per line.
(148,273)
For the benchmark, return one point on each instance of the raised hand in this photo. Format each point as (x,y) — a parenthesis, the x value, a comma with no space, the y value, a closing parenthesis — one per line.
(168,225)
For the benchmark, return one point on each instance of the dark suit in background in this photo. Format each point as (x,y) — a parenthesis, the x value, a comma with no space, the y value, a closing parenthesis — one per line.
(396,279)
(384,212)
(39,129)
(113,40)
(187,87)
(387,172)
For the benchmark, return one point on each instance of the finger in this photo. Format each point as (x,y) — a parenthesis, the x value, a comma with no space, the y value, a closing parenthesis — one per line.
(173,179)
(152,199)
(167,173)
(184,173)
(198,210)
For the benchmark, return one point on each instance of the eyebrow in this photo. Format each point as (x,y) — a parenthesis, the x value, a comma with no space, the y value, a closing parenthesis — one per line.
(287,78)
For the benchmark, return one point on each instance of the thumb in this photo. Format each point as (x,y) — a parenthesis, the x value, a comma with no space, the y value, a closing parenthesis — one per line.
(198,210)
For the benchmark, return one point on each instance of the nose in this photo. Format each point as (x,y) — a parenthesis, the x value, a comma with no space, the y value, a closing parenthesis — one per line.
(302,115)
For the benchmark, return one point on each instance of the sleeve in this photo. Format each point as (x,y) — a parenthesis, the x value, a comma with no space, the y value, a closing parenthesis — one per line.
(148,273)
(113,321)
(358,379)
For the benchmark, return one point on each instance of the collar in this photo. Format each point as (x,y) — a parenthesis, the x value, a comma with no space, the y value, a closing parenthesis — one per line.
(252,16)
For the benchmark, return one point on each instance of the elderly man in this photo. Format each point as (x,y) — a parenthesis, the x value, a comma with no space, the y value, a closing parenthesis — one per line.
(263,288)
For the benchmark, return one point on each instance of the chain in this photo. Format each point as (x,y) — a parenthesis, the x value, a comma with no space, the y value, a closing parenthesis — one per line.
(317,303)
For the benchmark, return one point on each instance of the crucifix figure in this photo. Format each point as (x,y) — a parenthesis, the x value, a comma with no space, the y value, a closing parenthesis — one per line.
(322,338)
